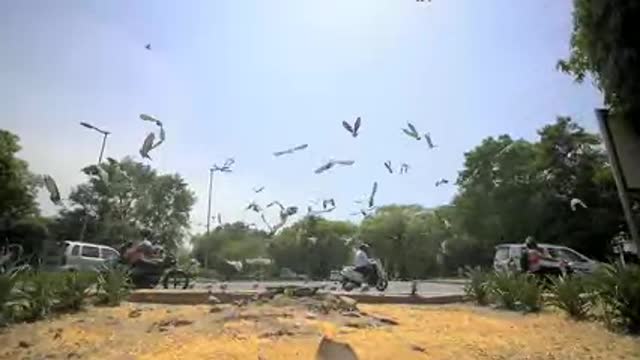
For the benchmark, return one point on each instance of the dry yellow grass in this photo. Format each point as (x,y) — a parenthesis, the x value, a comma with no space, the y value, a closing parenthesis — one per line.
(267,332)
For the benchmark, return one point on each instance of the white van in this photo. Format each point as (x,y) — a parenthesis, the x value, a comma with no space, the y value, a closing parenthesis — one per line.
(507,257)
(82,256)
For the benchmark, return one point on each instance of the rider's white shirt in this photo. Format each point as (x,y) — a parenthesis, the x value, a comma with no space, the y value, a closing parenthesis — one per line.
(361,259)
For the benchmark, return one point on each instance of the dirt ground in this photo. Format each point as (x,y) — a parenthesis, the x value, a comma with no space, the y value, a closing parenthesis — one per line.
(292,331)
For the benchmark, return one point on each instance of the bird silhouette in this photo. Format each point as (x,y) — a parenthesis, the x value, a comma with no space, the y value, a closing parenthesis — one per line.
(575,202)
(353,130)
(327,203)
(404,168)
(52,188)
(387,164)
(412,131)
(442,182)
(147,145)
(333,163)
(257,190)
(291,150)
(254,207)
(427,137)
(148,46)
(374,190)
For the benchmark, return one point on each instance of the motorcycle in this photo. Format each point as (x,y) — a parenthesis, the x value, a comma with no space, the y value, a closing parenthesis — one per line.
(151,273)
(351,279)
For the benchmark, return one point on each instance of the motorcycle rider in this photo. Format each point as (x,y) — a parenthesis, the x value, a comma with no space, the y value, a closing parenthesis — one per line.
(362,264)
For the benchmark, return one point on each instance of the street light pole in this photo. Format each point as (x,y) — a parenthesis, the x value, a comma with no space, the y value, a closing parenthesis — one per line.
(104,143)
(211,170)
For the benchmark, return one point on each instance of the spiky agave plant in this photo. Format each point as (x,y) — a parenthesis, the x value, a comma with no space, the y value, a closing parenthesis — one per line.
(113,285)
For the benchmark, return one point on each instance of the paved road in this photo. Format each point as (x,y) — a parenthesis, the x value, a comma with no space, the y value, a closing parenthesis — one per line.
(425,288)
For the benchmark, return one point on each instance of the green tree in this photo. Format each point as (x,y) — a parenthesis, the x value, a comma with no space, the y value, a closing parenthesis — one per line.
(407,238)
(605,45)
(17,184)
(512,189)
(235,241)
(313,246)
(121,199)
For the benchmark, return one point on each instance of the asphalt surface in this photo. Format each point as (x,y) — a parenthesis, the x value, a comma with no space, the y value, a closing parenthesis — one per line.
(425,288)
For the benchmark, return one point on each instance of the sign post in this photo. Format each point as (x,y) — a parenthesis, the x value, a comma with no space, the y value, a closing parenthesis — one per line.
(623,146)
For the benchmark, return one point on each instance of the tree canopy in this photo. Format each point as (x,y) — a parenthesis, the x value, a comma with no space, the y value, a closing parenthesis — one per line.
(122,199)
(17,184)
(605,45)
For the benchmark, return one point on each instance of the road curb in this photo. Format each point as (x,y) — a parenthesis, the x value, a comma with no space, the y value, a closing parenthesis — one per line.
(199,297)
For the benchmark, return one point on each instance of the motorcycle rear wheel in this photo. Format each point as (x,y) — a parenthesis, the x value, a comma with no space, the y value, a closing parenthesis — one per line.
(176,279)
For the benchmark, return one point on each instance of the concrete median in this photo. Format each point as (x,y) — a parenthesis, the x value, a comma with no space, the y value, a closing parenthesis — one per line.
(196,297)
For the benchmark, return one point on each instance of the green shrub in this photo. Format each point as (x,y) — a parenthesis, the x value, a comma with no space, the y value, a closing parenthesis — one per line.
(73,289)
(529,295)
(33,297)
(477,288)
(113,285)
(8,280)
(617,292)
(503,289)
(515,291)
(570,294)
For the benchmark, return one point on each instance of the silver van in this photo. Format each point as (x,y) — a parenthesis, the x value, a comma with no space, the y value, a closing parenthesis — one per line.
(507,258)
(82,256)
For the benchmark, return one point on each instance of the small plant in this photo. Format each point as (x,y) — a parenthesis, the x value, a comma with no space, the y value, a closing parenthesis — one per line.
(617,291)
(113,285)
(73,289)
(34,296)
(515,291)
(477,288)
(570,294)
(529,294)
(503,289)
(8,280)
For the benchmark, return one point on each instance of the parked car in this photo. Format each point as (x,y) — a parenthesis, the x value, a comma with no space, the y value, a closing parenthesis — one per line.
(507,258)
(84,256)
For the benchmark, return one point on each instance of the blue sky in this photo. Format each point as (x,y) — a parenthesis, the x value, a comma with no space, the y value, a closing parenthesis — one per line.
(245,78)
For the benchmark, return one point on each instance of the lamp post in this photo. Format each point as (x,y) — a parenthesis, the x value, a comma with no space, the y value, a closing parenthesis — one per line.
(211,171)
(104,142)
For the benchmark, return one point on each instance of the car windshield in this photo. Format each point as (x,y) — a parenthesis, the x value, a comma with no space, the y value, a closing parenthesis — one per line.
(448,142)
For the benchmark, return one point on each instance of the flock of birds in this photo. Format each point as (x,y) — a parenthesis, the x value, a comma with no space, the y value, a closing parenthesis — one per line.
(285,212)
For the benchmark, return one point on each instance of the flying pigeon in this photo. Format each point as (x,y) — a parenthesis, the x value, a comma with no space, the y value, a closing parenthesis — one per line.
(427,137)
(147,146)
(52,188)
(257,190)
(387,164)
(412,131)
(327,202)
(332,163)
(404,168)
(253,206)
(373,194)
(442,182)
(291,150)
(353,130)
(575,202)
(150,118)
(148,46)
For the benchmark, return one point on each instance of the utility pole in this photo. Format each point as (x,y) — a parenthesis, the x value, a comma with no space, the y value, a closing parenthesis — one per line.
(104,143)
(211,170)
